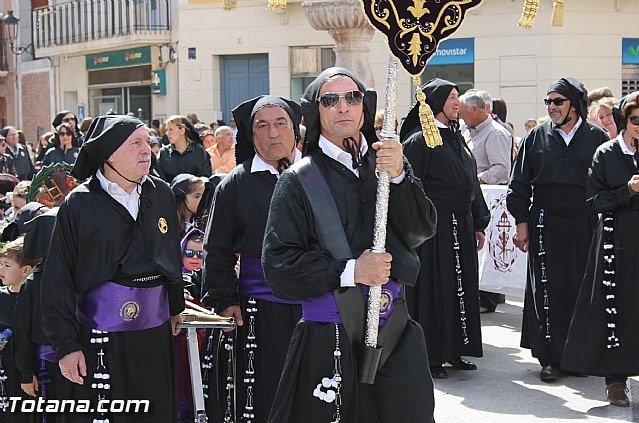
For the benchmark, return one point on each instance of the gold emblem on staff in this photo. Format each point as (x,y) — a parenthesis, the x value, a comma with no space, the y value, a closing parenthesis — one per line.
(162,225)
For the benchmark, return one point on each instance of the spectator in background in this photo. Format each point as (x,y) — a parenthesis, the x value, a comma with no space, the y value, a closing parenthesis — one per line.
(43,145)
(18,153)
(605,117)
(84,126)
(185,153)
(6,163)
(64,149)
(208,139)
(499,110)
(193,118)
(155,125)
(66,116)
(530,124)
(223,151)
(598,93)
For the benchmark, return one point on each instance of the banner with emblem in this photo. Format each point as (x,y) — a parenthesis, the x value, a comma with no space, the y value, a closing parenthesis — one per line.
(502,266)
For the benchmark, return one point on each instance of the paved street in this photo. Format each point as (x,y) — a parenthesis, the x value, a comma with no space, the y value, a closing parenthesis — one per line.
(506,387)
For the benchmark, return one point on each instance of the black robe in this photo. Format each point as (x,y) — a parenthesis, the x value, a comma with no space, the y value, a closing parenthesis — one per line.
(449,175)
(96,240)
(194,160)
(236,226)
(297,267)
(548,190)
(587,343)
(28,334)
(12,387)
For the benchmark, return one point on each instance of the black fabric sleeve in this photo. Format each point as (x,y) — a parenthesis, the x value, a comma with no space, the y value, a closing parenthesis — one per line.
(295,265)
(205,162)
(23,348)
(219,287)
(601,197)
(58,294)
(479,209)
(519,195)
(411,214)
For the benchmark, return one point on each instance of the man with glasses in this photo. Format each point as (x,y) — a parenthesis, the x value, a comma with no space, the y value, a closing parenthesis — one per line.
(268,132)
(317,249)
(19,154)
(547,197)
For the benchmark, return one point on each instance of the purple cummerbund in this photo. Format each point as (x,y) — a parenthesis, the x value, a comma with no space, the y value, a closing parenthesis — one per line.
(324,308)
(46,352)
(111,307)
(252,283)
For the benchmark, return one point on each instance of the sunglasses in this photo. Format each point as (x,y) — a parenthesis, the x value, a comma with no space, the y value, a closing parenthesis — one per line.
(65,134)
(634,120)
(556,101)
(330,100)
(192,253)
(67,120)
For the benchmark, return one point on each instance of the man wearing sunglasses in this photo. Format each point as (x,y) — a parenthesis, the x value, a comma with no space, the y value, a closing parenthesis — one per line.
(317,249)
(267,136)
(547,197)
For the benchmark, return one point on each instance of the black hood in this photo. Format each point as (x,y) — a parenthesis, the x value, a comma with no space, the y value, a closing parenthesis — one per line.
(618,110)
(310,108)
(244,115)
(38,234)
(437,91)
(25,214)
(574,91)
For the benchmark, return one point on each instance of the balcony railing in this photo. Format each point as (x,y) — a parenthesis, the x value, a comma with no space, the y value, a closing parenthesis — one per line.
(91,20)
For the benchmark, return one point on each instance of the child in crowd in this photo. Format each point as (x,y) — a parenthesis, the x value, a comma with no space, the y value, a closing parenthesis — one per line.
(189,190)
(14,269)
(35,358)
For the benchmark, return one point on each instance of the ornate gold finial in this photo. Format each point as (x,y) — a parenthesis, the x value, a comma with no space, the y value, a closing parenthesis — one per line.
(229,5)
(276,4)
(429,128)
(527,19)
(558,12)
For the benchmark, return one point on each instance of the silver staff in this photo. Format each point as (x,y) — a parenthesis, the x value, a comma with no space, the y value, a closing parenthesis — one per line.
(369,368)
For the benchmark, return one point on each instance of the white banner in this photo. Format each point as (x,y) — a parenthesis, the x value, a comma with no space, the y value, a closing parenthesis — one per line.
(502,266)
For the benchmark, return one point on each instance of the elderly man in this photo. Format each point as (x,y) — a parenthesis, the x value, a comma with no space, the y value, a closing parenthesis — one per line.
(547,197)
(223,151)
(113,291)
(445,301)
(267,135)
(316,249)
(492,147)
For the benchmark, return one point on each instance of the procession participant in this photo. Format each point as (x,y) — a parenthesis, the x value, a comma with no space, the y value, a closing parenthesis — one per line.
(547,197)
(14,269)
(320,378)
(116,237)
(268,131)
(35,358)
(189,192)
(601,340)
(446,299)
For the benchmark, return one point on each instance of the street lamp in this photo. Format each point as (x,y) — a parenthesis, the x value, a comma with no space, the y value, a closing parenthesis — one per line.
(11,22)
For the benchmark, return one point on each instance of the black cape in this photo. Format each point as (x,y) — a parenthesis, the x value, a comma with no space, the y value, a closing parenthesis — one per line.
(586,346)
(551,176)
(449,175)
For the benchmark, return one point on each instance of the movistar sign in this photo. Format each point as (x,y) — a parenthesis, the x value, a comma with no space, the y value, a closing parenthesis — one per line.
(458,51)
(630,51)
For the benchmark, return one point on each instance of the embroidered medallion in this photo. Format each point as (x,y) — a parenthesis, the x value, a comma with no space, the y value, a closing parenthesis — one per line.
(129,311)
(386,301)
(162,225)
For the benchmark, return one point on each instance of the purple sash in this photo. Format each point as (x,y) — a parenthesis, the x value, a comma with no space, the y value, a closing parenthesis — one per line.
(111,307)
(46,352)
(252,283)
(324,308)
